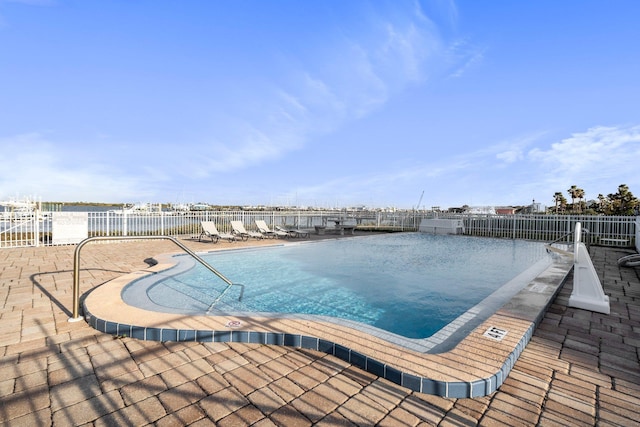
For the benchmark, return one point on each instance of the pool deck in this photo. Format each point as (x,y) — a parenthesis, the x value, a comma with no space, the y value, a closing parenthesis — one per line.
(580,368)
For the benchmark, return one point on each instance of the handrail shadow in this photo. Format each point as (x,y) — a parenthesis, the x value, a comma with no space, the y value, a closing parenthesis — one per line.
(53,299)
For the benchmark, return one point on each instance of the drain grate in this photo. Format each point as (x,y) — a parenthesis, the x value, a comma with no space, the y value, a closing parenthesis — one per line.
(495,333)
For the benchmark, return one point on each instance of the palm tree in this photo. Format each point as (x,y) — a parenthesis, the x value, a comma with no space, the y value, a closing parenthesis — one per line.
(557,197)
(604,205)
(580,196)
(573,191)
(623,202)
(563,204)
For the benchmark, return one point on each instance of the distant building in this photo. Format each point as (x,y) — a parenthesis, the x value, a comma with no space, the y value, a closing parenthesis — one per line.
(533,208)
(504,210)
(200,207)
(482,210)
(498,210)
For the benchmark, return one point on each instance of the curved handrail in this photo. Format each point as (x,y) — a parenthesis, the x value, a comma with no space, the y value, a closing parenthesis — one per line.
(76,264)
(213,304)
(586,241)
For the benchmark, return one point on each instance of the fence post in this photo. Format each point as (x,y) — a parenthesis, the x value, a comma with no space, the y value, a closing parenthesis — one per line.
(638,233)
(36,228)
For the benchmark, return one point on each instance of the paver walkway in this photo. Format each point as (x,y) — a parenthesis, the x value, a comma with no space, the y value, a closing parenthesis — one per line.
(580,368)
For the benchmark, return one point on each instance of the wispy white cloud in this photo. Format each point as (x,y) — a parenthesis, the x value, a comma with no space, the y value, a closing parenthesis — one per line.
(357,75)
(510,156)
(456,171)
(597,160)
(463,56)
(515,149)
(447,10)
(254,147)
(405,50)
(36,166)
(592,149)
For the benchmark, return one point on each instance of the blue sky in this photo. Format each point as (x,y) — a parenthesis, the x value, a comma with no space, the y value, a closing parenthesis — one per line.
(318,103)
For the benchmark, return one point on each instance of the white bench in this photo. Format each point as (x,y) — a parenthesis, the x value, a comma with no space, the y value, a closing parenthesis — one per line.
(606,240)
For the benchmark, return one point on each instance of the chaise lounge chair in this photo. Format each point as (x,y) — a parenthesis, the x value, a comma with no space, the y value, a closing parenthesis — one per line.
(210,230)
(293,232)
(239,230)
(267,232)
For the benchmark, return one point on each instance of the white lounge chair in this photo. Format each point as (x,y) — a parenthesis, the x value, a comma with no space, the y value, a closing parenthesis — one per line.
(239,230)
(267,232)
(210,230)
(296,232)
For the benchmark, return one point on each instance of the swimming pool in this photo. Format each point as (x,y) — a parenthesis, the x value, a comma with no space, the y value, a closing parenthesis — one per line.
(408,284)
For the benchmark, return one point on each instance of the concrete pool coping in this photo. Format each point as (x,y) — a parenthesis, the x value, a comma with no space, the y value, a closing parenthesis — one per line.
(475,367)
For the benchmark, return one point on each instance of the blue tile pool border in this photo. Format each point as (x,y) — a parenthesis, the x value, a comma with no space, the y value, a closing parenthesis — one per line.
(453,389)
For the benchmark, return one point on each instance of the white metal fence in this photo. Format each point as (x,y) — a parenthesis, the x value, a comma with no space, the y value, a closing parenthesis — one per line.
(35,229)
(638,234)
(603,230)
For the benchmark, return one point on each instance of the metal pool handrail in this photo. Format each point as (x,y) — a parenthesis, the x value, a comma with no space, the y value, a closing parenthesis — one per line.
(76,265)
(587,241)
(213,304)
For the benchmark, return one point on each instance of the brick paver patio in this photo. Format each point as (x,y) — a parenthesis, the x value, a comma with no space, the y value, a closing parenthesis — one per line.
(580,368)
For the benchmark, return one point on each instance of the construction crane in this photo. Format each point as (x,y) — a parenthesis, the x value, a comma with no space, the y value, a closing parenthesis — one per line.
(419,201)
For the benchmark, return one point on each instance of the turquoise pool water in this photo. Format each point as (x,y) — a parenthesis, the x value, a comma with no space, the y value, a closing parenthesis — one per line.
(410,284)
